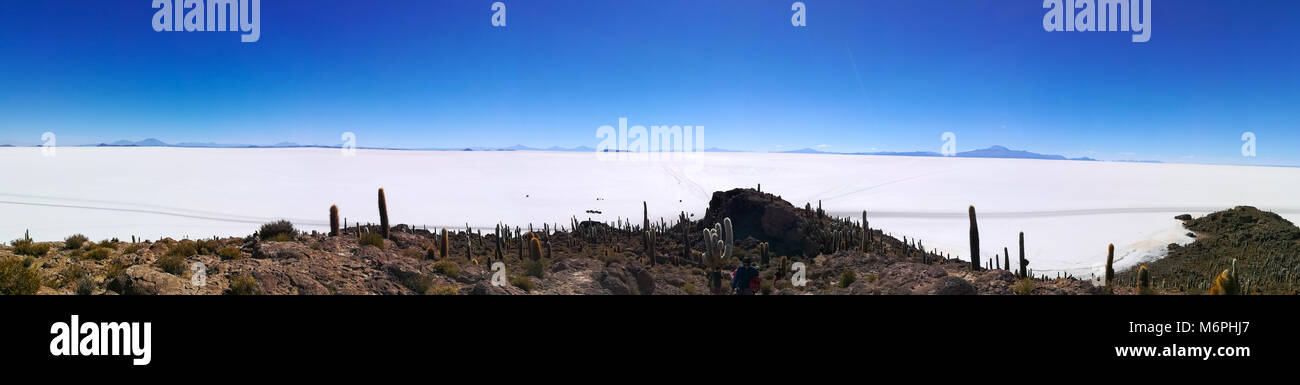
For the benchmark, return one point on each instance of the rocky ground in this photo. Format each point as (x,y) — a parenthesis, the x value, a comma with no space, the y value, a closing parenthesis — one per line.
(584,258)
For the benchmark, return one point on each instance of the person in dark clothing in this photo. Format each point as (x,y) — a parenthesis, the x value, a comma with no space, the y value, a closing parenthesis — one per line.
(744,281)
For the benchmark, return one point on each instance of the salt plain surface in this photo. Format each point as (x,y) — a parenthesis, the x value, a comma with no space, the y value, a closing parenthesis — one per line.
(1069,210)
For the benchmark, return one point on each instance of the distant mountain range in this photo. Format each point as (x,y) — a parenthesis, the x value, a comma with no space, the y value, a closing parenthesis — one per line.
(997,152)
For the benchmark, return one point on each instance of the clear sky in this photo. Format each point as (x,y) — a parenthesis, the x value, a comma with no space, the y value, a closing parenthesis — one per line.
(863,75)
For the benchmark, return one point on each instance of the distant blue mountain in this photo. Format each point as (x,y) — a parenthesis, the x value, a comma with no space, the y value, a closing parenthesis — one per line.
(996,152)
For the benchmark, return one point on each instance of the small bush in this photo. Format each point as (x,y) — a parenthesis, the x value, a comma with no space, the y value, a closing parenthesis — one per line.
(765,287)
(419,284)
(108,244)
(244,285)
(229,253)
(522,283)
(412,252)
(173,263)
(134,248)
(447,268)
(70,275)
(442,290)
(184,249)
(847,278)
(86,285)
(206,247)
(74,241)
(29,261)
(1025,286)
(98,253)
(26,246)
(535,268)
(689,288)
(16,279)
(372,239)
(278,231)
(113,270)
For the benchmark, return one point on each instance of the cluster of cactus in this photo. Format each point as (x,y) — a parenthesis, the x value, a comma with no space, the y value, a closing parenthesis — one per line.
(383,214)
(974,240)
(1226,283)
(764,256)
(534,246)
(718,244)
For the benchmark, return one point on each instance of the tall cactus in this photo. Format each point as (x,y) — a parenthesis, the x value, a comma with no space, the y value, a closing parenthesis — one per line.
(1144,280)
(383,214)
(763,256)
(686,237)
(443,247)
(866,232)
(1024,263)
(334,221)
(974,240)
(1110,264)
(1006,258)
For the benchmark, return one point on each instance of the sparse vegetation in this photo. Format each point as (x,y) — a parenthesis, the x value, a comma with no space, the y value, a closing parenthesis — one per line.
(174,260)
(412,252)
(16,279)
(372,239)
(229,253)
(689,288)
(535,268)
(86,285)
(522,282)
(419,284)
(98,253)
(26,246)
(442,290)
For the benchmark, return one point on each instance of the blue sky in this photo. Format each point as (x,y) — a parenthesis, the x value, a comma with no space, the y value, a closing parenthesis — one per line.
(863,75)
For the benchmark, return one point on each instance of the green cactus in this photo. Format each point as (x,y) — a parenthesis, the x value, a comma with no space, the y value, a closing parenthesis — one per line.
(1006,258)
(1024,263)
(974,240)
(763,255)
(1110,264)
(443,246)
(719,244)
(866,232)
(383,214)
(334,221)
(1226,283)
(1144,280)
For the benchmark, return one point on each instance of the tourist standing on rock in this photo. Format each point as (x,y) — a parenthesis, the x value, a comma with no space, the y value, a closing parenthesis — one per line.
(744,281)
